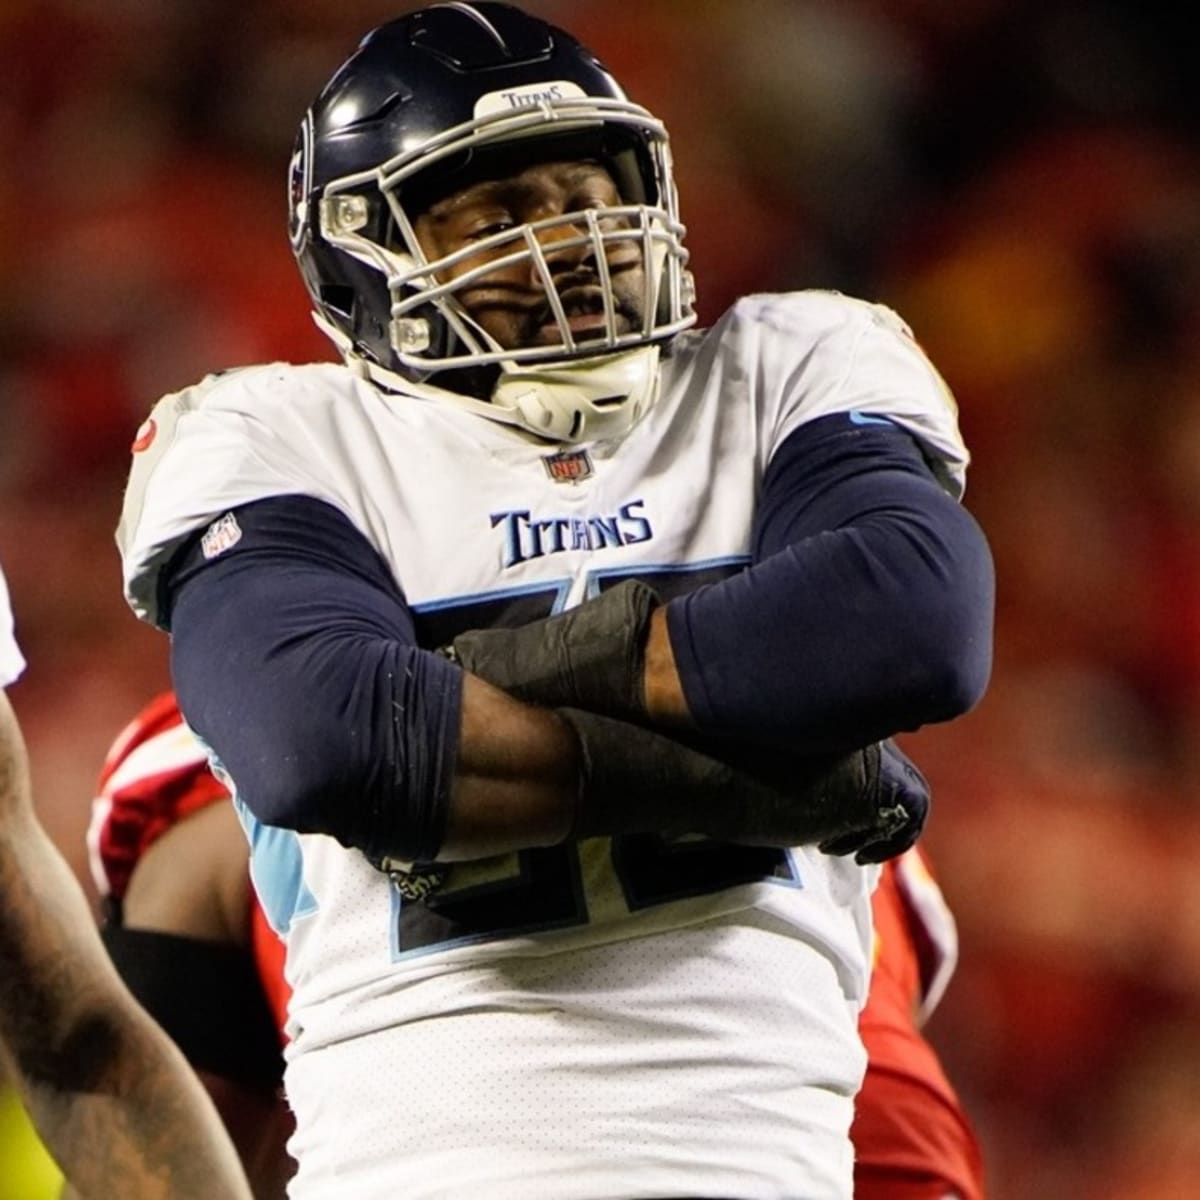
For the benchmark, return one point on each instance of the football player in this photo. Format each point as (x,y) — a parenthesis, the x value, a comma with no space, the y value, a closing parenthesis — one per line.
(912,1138)
(166,855)
(548,646)
(111,1096)
(186,932)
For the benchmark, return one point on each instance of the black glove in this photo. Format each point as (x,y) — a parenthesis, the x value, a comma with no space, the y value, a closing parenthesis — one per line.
(870,803)
(902,797)
(590,656)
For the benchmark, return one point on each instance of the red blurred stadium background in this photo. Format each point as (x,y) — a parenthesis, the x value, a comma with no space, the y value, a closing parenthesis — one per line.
(1020,180)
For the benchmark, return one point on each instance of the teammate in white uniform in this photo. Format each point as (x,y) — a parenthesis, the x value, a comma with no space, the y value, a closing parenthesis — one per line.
(11,662)
(603,933)
(113,1100)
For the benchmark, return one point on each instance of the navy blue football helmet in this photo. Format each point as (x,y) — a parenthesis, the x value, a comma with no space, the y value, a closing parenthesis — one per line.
(427,104)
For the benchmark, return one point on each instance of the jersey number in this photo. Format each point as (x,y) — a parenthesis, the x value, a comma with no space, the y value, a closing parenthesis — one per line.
(541,889)
(538,890)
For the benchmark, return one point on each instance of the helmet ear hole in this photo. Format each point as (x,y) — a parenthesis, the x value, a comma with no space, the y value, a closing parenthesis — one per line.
(338,297)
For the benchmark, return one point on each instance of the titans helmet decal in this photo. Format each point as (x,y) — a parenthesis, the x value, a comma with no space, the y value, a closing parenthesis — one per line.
(300,185)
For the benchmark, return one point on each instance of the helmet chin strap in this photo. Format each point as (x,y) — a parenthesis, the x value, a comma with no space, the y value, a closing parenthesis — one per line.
(573,400)
(587,400)
(582,400)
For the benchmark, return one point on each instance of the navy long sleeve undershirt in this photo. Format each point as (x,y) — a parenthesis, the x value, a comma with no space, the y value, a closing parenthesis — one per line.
(867,609)
(293,655)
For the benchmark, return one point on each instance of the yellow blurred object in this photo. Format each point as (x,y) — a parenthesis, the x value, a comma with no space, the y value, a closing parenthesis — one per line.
(27,1172)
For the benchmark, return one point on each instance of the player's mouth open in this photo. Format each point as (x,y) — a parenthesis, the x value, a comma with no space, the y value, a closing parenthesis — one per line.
(583,326)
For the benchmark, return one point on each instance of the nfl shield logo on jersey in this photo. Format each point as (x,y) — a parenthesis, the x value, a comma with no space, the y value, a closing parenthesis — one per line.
(568,466)
(220,536)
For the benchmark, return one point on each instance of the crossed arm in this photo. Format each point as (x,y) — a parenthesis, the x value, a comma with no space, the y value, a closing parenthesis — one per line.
(331,719)
(114,1101)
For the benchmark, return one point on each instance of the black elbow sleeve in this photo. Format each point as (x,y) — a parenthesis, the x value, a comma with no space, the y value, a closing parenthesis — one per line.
(190,987)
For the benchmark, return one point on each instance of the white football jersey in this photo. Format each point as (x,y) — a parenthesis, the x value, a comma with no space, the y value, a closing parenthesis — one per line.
(625,1018)
(11,662)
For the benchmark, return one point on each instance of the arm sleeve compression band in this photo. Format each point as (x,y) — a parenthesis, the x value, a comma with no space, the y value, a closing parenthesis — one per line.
(191,988)
(867,608)
(294,658)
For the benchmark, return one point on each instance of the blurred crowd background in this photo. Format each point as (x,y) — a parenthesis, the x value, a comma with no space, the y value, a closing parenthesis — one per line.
(1019,178)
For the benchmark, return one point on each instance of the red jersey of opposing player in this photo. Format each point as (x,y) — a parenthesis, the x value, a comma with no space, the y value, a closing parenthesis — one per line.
(912,1140)
(154,776)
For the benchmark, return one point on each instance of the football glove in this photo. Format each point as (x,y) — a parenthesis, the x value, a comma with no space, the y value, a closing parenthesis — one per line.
(871,803)
(591,656)
(901,795)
